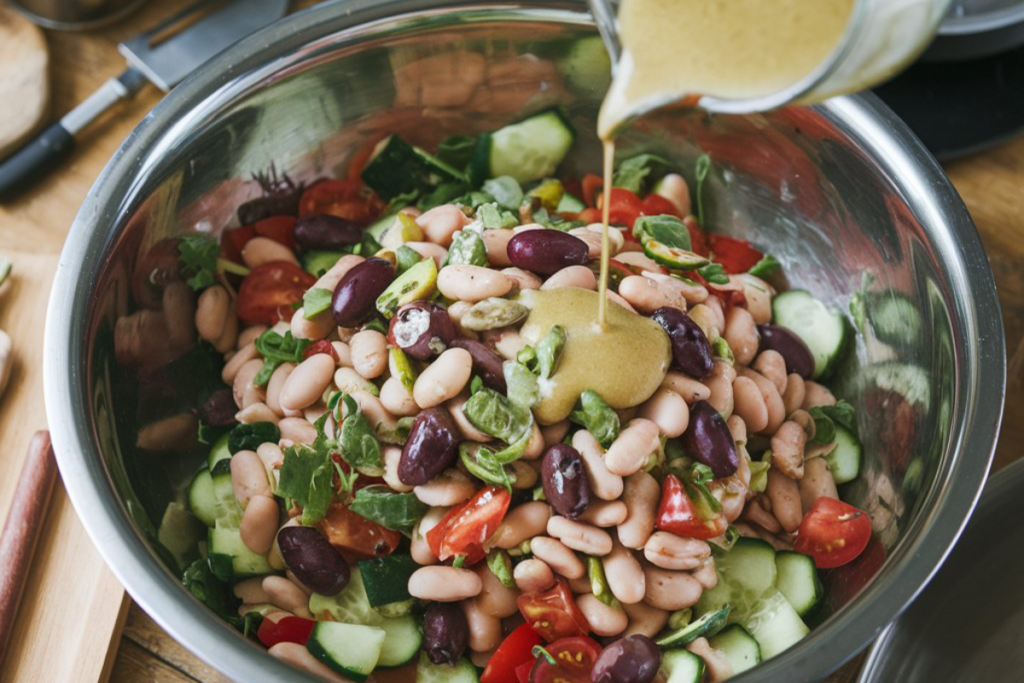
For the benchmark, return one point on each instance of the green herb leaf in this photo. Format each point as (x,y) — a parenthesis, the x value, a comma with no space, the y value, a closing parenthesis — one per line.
(701,174)
(766,267)
(467,249)
(522,384)
(826,417)
(494,218)
(473,200)
(407,257)
(457,150)
(396,511)
(714,273)
(597,417)
(249,437)
(475,384)
(277,349)
(500,565)
(664,229)
(494,414)
(359,445)
(550,350)
(505,190)
(199,260)
(482,463)
(636,173)
(306,476)
(200,580)
(316,300)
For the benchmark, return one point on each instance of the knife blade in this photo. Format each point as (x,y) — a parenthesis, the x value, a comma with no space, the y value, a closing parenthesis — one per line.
(162,55)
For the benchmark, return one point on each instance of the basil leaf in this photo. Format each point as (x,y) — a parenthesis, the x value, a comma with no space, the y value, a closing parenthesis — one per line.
(277,349)
(500,565)
(396,511)
(456,150)
(359,445)
(316,300)
(407,257)
(766,267)
(549,350)
(826,417)
(481,462)
(714,273)
(494,414)
(467,248)
(522,384)
(505,190)
(597,417)
(636,173)
(494,218)
(666,229)
(320,494)
(199,255)
(249,437)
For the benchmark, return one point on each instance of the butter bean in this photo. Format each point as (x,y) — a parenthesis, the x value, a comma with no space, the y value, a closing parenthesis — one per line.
(641,497)
(397,399)
(692,293)
(816,483)
(741,333)
(816,395)
(484,630)
(234,365)
(429,250)
(259,524)
(257,412)
(251,591)
(558,556)
(717,666)
(772,365)
(706,574)
(212,313)
(274,386)
(374,411)
(669,551)
(630,451)
(581,277)
(690,389)
(625,576)
(286,595)
(495,600)
(369,353)
(533,576)
(647,295)
(772,399)
(261,250)
(248,477)
(603,484)
(243,380)
(638,260)
(442,222)
(535,446)
(301,658)
(670,590)
(604,620)
(788,449)
(496,243)
(668,410)
(444,378)
(758,295)
(332,277)
(250,334)
(617,299)
(784,494)
(444,584)
(582,537)
(604,514)
(673,187)
(522,279)
(297,430)
(418,547)
(349,381)
(555,433)
(472,283)
(644,619)
(522,523)
(392,455)
(755,513)
(793,397)
(525,474)
(749,404)
(307,382)
(466,428)
(449,488)
(720,386)
(314,329)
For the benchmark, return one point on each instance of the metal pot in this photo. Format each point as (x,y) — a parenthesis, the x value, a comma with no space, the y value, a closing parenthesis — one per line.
(842,194)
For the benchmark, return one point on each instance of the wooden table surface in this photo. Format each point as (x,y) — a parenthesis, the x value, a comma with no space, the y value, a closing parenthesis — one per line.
(34,227)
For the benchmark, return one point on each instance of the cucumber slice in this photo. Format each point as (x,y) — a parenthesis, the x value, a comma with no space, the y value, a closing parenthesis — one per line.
(397,167)
(462,671)
(745,573)
(228,513)
(244,562)
(316,262)
(846,458)
(707,625)
(894,318)
(798,581)
(349,649)
(569,204)
(529,150)
(402,641)
(673,257)
(219,451)
(775,625)
(386,579)
(202,499)
(681,666)
(739,647)
(825,331)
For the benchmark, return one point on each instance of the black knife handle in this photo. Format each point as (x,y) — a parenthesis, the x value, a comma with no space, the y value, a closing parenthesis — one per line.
(34,160)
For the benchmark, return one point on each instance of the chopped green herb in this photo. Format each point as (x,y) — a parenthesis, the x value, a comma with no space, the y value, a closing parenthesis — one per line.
(714,273)
(249,437)
(494,218)
(766,267)
(505,190)
(359,445)
(277,349)
(637,173)
(759,472)
(825,418)
(396,511)
(664,229)
(522,384)
(482,463)
(496,415)
(316,300)
(307,474)
(597,417)
(199,260)
(204,584)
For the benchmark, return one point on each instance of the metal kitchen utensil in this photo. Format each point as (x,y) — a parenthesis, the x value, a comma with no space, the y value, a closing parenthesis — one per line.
(163,55)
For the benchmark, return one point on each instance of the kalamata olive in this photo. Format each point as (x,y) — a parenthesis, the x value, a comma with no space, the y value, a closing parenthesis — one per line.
(219,409)
(565,482)
(486,363)
(634,659)
(279,204)
(445,632)
(792,348)
(691,350)
(431,448)
(355,297)
(323,231)
(422,329)
(547,251)
(707,439)
(313,560)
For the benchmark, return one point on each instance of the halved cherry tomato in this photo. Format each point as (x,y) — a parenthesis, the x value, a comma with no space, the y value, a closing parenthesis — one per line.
(553,614)
(591,185)
(677,513)
(349,199)
(515,650)
(698,241)
(625,207)
(523,671)
(833,533)
(232,241)
(735,255)
(268,292)
(285,630)
(322,346)
(281,229)
(352,533)
(590,216)
(574,661)
(656,205)
(466,528)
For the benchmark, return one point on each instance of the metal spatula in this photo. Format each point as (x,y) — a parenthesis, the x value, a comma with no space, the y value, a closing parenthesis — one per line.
(164,55)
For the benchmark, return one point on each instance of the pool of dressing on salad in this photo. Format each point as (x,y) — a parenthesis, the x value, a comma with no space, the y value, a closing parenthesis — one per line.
(672,50)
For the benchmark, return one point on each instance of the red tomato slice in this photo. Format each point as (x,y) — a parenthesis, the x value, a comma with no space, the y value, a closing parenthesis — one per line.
(268,292)
(625,207)
(735,255)
(465,528)
(553,614)
(523,672)
(833,533)
(354,534)
(281,229)
(232,241)
(574,661)
(322,346)
(285,630)
(589,216)
(698,241)
(514,651)
(678,515)
(349,199)
(656,205)
(591,185)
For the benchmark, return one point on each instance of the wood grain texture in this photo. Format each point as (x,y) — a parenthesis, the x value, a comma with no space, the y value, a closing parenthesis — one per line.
(24,80)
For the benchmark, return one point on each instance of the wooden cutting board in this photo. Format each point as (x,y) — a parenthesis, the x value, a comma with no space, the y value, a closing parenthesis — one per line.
(24,79)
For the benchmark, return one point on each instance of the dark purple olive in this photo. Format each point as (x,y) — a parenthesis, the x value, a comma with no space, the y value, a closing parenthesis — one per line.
(707,439)
(565,482)
(445,632)
(486,363)
(422,329)
(792,348)
(634,659)
(431,448)
(355,297)
(323,231)
(691,350)
(279,204)
(219,409)
(547,251)
(313,560)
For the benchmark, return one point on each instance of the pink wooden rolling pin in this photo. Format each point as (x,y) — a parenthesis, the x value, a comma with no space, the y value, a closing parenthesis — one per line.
(21,532)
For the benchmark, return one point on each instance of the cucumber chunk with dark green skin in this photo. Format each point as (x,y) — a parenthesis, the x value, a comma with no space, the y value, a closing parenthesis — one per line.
(707,625)
(528,150)
(397,168)
(739,647)
(386,579)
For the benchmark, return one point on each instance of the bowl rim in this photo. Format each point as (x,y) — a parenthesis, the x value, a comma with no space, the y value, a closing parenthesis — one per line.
(979,348)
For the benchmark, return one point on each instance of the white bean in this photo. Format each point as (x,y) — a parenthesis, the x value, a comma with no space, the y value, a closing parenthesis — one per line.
(580,277)
(444,378)
(392,455)
(496,243)
(472,283)
(442,222)
(302,659)
(644,619)
(668,410)
(259,524)
(212,312)
(495,600)
(604,513)
(286,595)
(429,250)
(604,620)
(522,279)
(397,399)
(369,353)
(449,488)
(557,556)
(670,590)
(418,548)
(582,537)
(444,584)
(307,382)
(669,551)
(248,477)
(784,495)
(533,575)
(641,497)
(629,452)
(647,295)
(261,250)
(603,484)
(625,576)
(522,523)
(690,389)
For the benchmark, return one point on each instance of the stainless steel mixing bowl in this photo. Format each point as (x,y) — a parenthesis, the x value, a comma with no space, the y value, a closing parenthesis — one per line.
(842,194)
